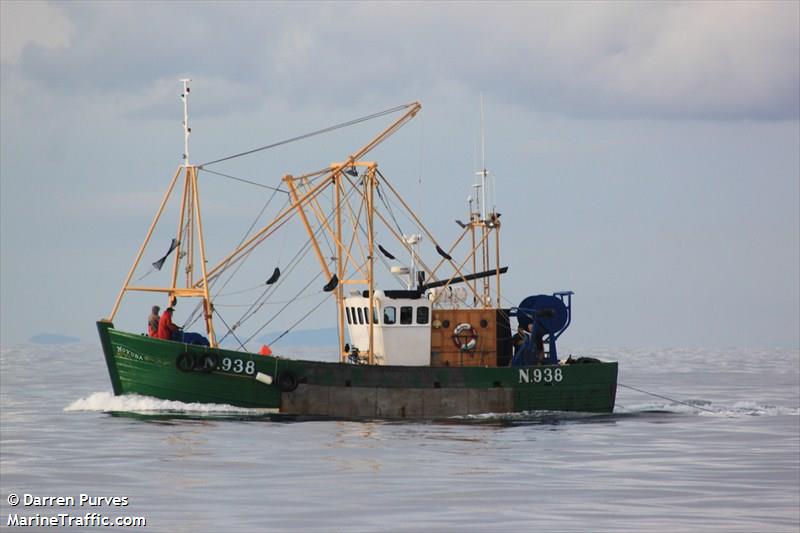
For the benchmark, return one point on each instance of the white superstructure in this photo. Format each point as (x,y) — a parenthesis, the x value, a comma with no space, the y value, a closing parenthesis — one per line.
(401,325)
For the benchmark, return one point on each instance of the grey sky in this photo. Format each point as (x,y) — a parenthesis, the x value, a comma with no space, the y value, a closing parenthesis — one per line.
(647,155)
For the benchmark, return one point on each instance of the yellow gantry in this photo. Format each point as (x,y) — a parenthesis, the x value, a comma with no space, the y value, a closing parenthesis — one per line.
(354,258)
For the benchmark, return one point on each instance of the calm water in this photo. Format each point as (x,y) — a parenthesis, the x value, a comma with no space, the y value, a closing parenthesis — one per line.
(729,461)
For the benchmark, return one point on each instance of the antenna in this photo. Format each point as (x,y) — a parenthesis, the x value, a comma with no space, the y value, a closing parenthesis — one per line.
(483,173)
(420,191)
(186,129)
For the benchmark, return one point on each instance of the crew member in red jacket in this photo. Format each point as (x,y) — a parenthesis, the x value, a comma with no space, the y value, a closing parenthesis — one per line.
(166,329)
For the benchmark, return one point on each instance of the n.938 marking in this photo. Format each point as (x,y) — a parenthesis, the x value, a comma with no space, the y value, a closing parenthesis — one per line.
(540,375)
(237,366)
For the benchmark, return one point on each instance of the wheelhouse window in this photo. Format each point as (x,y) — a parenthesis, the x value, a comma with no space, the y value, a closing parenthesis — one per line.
(406,314)
(360,315)
(422,315)
(366,315)
(389,315)
(347,312)
(375,316)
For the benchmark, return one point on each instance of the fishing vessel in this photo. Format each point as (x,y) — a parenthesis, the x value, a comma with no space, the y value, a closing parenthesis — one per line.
(444,342)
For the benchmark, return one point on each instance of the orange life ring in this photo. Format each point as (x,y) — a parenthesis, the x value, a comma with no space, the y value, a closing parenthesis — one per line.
(465,337)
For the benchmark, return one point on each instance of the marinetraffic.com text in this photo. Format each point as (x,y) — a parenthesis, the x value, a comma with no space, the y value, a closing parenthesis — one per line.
(69,511)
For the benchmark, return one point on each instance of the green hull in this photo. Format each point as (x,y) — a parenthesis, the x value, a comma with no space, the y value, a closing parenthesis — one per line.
(142,365)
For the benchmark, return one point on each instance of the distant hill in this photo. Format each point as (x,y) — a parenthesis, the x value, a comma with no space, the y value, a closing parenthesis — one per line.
(53,338)
(306,337)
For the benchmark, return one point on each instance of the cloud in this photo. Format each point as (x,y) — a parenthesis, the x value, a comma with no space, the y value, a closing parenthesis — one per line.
(31,23)
(697,60)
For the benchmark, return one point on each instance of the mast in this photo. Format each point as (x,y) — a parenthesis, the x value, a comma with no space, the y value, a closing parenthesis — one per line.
(186,129)
(482,223)
(190,229)
(479,219)
(208,308)
(483,173)
(340,312)
(369,185)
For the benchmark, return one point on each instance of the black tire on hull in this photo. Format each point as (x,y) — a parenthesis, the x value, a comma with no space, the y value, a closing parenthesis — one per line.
(287,382)
(185,362)
(207,362)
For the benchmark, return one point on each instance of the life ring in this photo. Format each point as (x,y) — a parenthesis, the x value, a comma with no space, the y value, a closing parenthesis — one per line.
(287,382)
(185,362)
(207,362)
(465,337)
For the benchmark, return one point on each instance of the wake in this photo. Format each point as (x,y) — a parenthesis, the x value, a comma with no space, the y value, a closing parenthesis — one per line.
(106,402)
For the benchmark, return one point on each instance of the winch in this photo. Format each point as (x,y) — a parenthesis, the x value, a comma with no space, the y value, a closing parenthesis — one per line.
(542,316)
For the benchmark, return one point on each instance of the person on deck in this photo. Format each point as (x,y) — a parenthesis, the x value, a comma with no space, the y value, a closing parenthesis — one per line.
(152,322)
(528,347)
(518,339)
(521,342)
(167,330)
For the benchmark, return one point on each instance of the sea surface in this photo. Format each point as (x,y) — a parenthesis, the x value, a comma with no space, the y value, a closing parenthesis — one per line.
(727,459)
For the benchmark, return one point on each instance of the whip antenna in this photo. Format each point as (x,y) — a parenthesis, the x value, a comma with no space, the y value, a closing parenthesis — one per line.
(483,173)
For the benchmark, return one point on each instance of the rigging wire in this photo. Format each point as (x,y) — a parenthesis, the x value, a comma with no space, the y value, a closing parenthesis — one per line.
(244,237)
(152,269)
(285,306)
(195,315)
(279,337)
(271,303)
(282,247)
(325,233)
(359,227)
(230,331)
(403,210)
(388,268)
(255,221)
(261,300)
(301,253)
(245,255)
(311,134)
(276,189)
(388,208)
(421,162)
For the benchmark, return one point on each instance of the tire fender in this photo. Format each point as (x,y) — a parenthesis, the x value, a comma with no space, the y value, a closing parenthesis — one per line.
(207,363)
(185,362)
(287,381)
